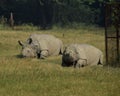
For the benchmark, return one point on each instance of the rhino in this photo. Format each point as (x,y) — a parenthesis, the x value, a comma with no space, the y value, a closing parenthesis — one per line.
(41,46)
(80,55)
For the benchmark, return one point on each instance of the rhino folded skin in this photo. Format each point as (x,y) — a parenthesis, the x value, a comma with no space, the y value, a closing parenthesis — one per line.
(42,46)
(81,55)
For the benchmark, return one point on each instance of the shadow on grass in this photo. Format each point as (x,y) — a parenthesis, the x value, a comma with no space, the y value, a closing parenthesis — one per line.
(19,56)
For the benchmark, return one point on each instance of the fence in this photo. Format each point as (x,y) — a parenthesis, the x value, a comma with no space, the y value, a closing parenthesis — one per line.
(112,33)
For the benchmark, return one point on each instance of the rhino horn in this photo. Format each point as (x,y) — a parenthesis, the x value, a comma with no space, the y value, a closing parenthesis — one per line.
(20,43)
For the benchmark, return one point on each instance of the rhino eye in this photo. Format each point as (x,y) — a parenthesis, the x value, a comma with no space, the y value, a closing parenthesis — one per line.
(28,51)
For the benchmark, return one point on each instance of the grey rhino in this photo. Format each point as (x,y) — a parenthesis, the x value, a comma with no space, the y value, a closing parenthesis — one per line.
(41,46)
(80,55)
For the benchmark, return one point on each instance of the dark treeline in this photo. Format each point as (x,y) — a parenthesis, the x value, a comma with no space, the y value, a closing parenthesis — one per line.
(49,12)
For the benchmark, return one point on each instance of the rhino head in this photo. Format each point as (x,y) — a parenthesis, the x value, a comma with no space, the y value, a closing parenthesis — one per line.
(69,57)
(28,49)
(70,54)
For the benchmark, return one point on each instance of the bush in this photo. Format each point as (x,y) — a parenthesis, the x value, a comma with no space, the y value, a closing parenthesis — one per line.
(3,22)
(26,27)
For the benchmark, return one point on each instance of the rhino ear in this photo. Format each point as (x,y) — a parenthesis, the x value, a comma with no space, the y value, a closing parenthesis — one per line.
(20,43)
(29,40)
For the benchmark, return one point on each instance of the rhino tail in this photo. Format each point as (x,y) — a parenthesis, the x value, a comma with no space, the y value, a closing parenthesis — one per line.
(61,48)
(61,51)
(101,60)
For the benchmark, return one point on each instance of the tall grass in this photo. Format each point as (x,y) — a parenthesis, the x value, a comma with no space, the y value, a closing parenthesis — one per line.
(34,77)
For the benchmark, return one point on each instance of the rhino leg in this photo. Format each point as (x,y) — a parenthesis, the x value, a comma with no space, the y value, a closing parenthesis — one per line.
(43,54)
(80,63)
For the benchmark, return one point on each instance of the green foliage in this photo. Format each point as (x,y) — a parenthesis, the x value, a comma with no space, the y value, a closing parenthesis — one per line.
(26,27)
(3,20)
(3,23)
(49,12)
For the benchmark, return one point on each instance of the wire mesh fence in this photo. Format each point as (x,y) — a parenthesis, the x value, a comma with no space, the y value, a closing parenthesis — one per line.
(112,33)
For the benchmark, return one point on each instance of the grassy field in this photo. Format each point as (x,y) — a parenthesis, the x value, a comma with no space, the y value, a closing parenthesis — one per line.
(34,77)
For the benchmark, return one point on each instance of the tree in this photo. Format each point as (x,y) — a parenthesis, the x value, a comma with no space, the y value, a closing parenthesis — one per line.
(48,12)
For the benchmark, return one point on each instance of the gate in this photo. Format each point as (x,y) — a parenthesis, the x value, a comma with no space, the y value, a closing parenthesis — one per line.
(112,33)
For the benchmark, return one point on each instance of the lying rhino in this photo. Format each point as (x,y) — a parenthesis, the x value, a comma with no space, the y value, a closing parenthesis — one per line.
(80,55)
(41,46)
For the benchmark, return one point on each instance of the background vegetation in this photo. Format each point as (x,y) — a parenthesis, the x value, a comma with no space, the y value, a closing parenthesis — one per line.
(47,13)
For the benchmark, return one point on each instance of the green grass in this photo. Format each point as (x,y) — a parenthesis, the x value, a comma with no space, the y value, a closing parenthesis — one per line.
(34,77)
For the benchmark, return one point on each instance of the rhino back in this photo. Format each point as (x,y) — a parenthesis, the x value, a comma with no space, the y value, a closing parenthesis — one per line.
(92,53)
(47,42)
